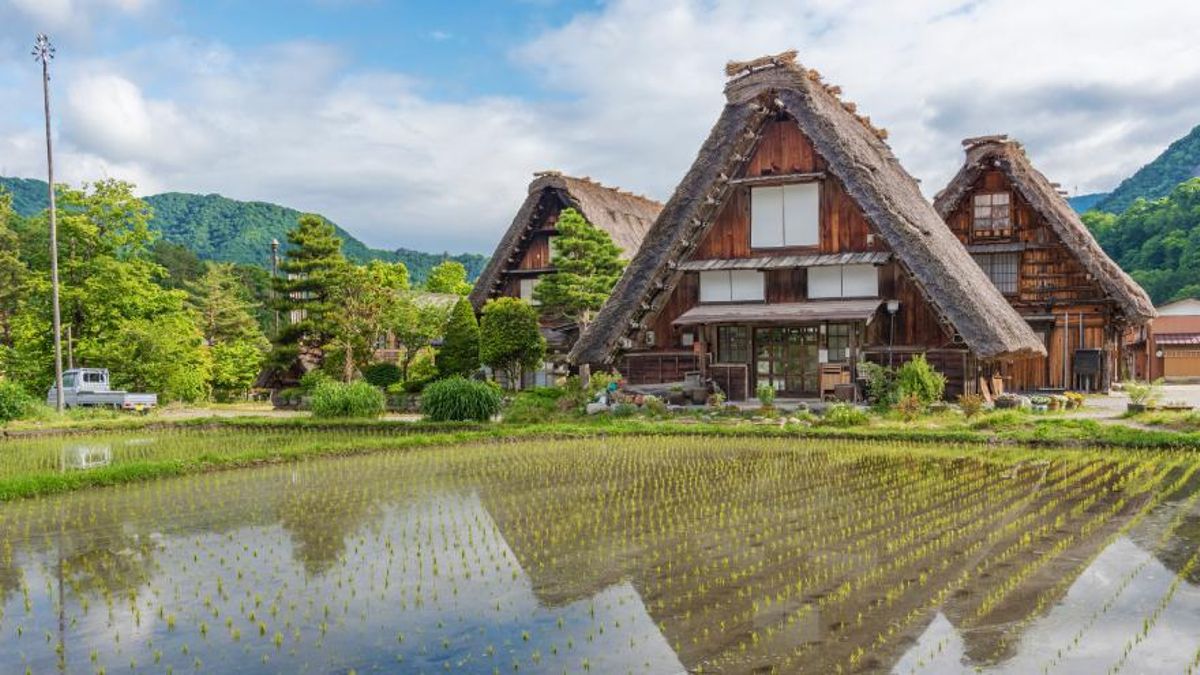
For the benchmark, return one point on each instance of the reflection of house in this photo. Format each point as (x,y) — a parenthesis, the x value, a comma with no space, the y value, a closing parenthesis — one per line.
(795,247)
(523,255)
(1169,346)
(1041,256)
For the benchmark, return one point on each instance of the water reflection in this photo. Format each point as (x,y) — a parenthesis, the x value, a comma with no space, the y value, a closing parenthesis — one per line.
(688,554)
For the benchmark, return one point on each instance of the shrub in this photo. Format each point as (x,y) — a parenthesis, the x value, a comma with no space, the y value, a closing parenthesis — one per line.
(542,404)
(601,381)
(382,374)
(971,404)
(15,402)
(510,338)
(310,380)
(909,407)
(917,378)
(766,395)
(716,399)
(1141,393)
(881,384)
(624,410)
(655,406)
(843,415)
(457,399)
(357,399)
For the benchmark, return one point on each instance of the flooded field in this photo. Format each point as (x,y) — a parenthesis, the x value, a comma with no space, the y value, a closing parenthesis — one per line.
(654,555)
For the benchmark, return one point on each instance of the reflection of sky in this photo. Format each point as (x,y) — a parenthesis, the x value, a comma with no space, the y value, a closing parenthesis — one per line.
(1170,645)
(382,604)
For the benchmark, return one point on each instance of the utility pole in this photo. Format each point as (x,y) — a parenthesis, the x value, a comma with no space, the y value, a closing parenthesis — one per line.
(44,51)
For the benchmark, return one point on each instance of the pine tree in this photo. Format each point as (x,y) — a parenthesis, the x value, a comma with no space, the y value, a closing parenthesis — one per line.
(302,290)
(459,354)
(225,314)
(587,264)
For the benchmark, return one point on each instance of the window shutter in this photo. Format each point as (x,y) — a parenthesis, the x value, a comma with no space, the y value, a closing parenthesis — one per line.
(860,281)
(715,287)
(746,285)
(825,282)
(801,214)
(766,217)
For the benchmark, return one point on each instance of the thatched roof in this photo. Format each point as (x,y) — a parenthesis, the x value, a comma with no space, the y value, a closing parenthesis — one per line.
(1008,156)
(765,89)
(626,218)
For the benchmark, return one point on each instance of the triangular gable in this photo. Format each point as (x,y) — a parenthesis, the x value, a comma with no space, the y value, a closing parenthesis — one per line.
(1008,156)
(626,218)
(855,153)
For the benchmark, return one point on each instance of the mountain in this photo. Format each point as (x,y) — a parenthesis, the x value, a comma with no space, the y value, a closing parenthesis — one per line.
(218,228)
(1179,162)
(1083,203)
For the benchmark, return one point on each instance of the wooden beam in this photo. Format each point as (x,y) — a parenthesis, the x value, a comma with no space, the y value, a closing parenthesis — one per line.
(779,178)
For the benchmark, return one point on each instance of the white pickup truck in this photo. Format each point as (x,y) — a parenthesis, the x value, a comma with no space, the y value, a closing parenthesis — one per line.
(89,387)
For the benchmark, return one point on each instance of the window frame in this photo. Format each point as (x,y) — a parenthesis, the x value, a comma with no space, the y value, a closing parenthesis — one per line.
(1001,266)
(742,346)
(991,225)
(841,281)
(724,293)
(802,232)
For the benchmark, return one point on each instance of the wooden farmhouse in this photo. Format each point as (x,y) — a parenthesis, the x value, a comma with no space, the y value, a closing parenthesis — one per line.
(523,255)
(795,248)
(1042,258)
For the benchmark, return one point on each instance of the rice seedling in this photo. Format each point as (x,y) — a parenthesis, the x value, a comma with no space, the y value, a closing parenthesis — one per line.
(625,554)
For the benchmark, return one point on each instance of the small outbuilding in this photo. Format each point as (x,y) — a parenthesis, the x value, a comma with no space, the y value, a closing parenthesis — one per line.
(1168,347)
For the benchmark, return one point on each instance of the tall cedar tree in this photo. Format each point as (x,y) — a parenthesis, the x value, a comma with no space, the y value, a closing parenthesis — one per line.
(587,264)
(510,339)
(226,315)
(302,290)
(459,354)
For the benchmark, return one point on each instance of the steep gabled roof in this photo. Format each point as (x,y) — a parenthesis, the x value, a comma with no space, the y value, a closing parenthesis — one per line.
(760,90)
(1008,156)
(626,218)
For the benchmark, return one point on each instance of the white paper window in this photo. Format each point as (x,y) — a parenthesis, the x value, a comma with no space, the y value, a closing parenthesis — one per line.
(843,281)
(785,215)
(825,282)
(527,286)
(860,281)
(766,217)
(801,214)
(731,286)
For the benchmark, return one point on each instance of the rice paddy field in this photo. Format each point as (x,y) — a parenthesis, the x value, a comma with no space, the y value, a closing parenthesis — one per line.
(634,554)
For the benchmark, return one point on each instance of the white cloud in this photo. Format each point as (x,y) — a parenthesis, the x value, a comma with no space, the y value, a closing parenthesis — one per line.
(1093,90)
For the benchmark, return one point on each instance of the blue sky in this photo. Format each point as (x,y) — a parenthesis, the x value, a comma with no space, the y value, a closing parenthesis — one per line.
(419,124)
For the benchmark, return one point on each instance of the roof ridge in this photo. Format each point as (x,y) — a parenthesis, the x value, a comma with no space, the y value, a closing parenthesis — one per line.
(588,180)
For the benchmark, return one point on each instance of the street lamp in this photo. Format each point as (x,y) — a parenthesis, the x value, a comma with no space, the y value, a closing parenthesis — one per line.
(893,306)
(43,51)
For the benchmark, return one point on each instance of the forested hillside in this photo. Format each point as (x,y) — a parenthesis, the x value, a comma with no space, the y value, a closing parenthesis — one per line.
(222,229)
(1156,241)
(1179,162)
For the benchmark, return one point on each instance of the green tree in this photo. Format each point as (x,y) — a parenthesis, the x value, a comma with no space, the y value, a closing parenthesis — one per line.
(459,354)
(12,270)
(448,277)
(236,341)
(363,301)
(510,338)
(587,264)
(119,314)
(416,321)
(303,290)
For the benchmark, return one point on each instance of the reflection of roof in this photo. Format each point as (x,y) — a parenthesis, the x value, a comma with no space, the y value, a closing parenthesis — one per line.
(1192,339)
(781,312)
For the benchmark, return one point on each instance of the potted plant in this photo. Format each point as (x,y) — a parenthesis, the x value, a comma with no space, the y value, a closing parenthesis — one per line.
(766,395)
(1141,395)
(1008,402)
(1039,404)
(676,396)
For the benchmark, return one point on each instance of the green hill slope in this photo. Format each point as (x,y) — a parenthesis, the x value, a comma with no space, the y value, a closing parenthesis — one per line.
(218,228)
(1179,162)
